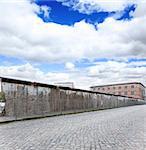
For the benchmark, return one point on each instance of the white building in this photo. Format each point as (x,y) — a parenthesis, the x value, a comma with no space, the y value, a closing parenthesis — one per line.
(65,84)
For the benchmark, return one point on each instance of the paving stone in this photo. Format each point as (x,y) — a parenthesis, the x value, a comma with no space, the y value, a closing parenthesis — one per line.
(114,129)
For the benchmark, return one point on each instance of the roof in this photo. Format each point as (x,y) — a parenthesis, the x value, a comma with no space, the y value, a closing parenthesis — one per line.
(118,84)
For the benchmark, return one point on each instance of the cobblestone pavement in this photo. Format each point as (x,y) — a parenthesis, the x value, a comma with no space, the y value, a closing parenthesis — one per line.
(113,129)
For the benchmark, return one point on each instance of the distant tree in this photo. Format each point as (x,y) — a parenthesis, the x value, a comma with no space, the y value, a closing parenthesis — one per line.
(2,97)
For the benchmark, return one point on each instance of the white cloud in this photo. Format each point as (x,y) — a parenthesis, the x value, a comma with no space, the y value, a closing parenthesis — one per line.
(118,6)
(70,66)
(24,35)
(140,10)
(26,71)
(46,10)
(116,72)
(32,73)
(99,73)
(90,6)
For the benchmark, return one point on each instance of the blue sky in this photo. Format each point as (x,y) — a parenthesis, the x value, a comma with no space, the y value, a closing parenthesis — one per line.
(93,42)
(67,16)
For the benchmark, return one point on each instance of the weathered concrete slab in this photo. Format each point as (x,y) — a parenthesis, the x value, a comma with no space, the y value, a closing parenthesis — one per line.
(27,100)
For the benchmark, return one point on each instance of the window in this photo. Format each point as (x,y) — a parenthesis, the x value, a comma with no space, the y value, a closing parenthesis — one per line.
(108,88)
(125,93)
(143,93)
(119,87)
(98,88)
(114,88)
(132,92)
(103,89)
(125,87)
(132,86)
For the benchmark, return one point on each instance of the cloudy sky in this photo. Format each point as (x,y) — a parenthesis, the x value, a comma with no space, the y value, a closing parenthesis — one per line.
(88,42)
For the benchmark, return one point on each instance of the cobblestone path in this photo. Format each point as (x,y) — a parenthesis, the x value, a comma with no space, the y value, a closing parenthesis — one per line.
(113,129)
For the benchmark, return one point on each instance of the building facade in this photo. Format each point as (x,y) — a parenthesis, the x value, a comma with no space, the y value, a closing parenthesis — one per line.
(65,84)
(134,89)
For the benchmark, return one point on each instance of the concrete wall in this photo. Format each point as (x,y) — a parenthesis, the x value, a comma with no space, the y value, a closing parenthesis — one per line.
(38,100)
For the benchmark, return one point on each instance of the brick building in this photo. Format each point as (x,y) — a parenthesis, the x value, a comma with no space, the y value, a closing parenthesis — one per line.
(133,89)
